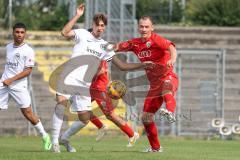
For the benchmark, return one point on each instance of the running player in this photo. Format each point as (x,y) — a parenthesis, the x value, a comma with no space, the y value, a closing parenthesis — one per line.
(14,83)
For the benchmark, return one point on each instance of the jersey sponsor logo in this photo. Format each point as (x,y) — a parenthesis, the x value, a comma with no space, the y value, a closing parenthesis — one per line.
(96,53)
(12,64)
(144,54)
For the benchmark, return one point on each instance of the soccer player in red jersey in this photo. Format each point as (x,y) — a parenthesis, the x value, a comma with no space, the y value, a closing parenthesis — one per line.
(99,94)
(163,81)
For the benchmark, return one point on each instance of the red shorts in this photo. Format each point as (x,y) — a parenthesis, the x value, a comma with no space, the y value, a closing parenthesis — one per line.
(103,100)
(154,97)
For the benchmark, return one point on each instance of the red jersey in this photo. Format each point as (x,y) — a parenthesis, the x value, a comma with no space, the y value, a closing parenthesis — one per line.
(100,80)
(154,49)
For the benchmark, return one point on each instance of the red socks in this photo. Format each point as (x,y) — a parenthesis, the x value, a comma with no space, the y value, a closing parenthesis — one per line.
(152,134)
(96,121)
(126,129)
(170,102)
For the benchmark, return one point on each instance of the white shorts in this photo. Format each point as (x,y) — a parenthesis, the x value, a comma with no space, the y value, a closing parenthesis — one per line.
(21,96)
(67,96)
(81,103)
(78,102)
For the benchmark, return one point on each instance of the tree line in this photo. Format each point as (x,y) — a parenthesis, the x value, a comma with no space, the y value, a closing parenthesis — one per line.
(53,14)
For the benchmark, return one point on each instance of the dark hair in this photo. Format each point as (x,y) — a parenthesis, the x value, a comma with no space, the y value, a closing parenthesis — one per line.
(145,18)
(99,17)
(19,25)
(90,30)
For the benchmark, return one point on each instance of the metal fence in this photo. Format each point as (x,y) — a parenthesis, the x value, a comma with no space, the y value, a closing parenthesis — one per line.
(121,17)
(200,96)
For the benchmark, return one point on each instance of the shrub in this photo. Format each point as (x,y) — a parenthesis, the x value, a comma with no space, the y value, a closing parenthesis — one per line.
(214,12)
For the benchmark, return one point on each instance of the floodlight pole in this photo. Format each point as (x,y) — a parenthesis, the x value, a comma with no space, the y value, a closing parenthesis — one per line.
(170,10)
(72,8)
(183,9)
(183,4)
(10,14)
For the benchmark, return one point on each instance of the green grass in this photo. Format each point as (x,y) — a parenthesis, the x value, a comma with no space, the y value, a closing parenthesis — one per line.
(113,148)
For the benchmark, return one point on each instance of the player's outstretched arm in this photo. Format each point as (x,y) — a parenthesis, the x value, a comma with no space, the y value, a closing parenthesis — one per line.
(130,66)
(67,29)
(21,75)
(122,47)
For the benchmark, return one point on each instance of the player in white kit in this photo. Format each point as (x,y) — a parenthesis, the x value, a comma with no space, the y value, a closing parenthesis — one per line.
(14,83)
(86,43)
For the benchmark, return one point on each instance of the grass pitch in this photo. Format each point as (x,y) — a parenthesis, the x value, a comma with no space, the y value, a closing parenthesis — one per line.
(114,148)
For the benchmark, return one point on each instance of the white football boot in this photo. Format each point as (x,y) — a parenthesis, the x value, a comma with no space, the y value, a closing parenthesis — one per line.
(133,139)
(67,145)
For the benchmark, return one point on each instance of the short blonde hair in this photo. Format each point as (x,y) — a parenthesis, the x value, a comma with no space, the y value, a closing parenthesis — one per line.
(145,18)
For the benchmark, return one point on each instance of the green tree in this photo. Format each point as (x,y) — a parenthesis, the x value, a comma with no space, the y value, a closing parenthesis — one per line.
(3,13)
(159,10)
(40,14)
(214,12)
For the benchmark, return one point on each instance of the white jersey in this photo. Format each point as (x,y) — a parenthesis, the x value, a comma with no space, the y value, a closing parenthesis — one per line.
(86,44)
(17,59)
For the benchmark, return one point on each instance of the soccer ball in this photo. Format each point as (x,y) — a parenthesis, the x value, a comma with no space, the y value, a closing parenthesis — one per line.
(116,89)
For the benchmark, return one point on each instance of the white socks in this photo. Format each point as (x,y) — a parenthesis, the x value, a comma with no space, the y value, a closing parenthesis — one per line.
(73,129)
(40,129)
(57,122)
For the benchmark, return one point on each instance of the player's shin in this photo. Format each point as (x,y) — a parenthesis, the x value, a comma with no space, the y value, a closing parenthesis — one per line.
(73,129)
(40,129)
(127,130)
(96,121)
(168,113)
(57,121)
(170,102)
(151,130)
(152,135)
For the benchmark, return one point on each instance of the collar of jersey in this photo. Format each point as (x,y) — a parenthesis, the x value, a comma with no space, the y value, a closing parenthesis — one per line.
(146,40)
(96,39)
(19,45)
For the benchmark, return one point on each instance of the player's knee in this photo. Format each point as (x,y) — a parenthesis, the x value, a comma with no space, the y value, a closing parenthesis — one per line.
(85,122)
(147,118)
(84,117)
(27,111)
(63,103)
(61,100)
